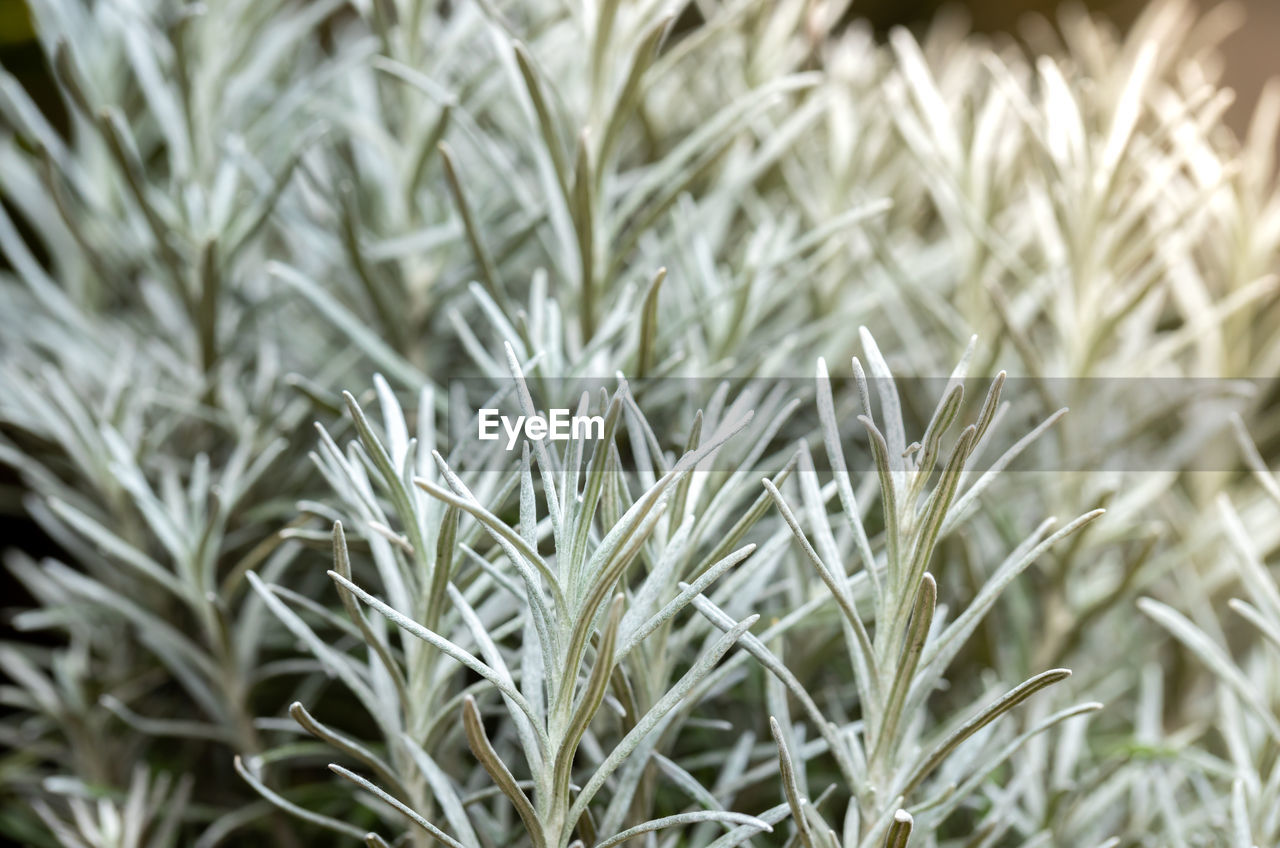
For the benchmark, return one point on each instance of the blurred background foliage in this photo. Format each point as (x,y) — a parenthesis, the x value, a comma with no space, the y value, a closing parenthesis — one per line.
(1250,52)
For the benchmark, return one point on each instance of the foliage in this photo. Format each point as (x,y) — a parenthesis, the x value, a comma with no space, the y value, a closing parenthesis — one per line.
(757,610)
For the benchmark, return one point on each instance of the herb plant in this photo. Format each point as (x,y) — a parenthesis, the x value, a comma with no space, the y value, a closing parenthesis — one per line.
(253,290)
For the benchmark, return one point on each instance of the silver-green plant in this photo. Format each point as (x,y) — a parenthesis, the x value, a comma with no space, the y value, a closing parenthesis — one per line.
(257,204)
(1243,711)
(556,603)
(886,757)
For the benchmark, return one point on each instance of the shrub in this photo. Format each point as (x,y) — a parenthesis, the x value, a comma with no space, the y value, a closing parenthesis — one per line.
(761,607)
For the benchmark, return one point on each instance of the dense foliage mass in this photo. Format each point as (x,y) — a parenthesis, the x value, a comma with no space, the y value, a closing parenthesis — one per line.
(843,611)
